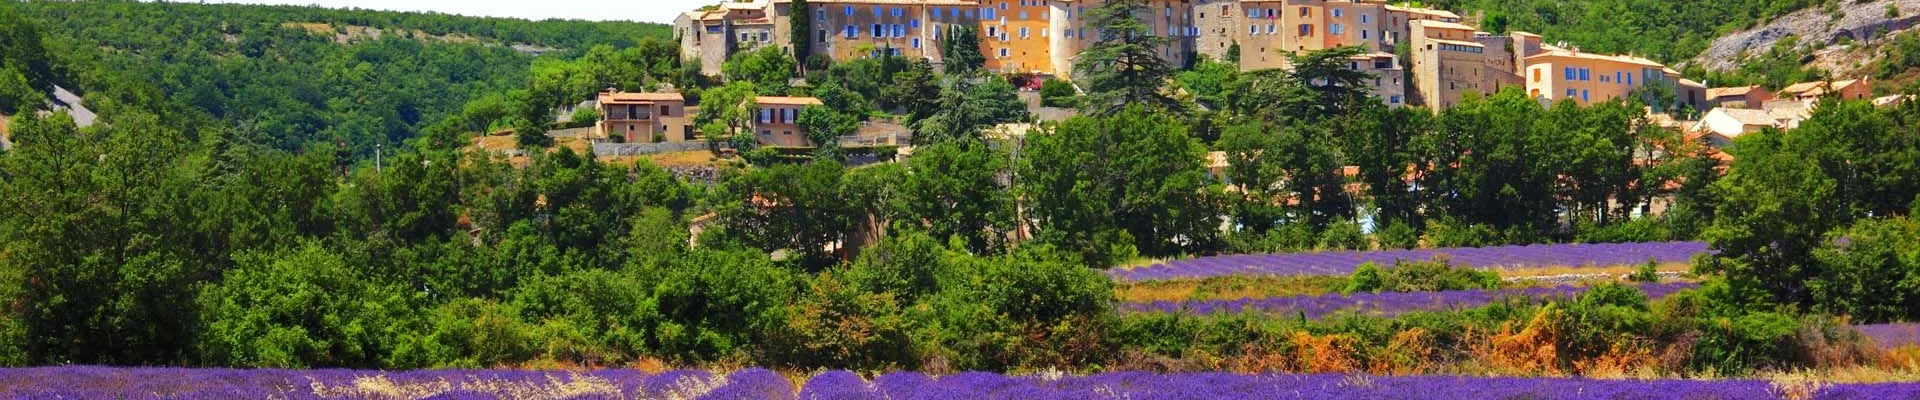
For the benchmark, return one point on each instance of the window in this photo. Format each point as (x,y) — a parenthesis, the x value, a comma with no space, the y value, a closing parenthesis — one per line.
(1617,75)
(1572,74)
(852,33)
(1583,96)
(916,43)
(898,12)
(1364,35)
(1536,75)
(899,30)
(1336,29)
(878,11)
(915,24)
(1571,93)
(1252,12)
(1394,100)
(1003,5)
(936,31)
(1253,29)
(1304,12)
(879,31)
(1366,19)
(1004,53)
(1629,79)
(988,13)
(1023,15)
(1586,74)
(1306,30)
(822,36)
(1604,79)
(1337,13)
(849,11)
(936,12)
(820,14)
(993,31)
(1270,29)
(766,116)
(1271,13)
(1023,32)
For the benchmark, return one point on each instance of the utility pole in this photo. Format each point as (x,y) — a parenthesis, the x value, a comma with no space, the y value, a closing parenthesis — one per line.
(376,158)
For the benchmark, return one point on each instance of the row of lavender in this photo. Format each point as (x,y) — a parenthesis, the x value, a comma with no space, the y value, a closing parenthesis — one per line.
(1344,262)
(168,383)
(1892,335)
(1386,304)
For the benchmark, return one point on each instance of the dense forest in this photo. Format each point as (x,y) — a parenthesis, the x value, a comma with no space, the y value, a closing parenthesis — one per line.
(195,226)
(293,77)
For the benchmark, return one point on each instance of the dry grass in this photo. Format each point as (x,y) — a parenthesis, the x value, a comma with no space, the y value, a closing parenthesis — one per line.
(497,143)
(316,28)
(1226,288)
(697,158)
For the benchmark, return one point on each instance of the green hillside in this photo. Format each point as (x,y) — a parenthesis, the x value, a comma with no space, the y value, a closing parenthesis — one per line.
(292,76)
(1664,30)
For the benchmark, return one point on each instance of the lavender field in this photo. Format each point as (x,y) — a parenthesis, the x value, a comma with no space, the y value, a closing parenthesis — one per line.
(1388,304)
(170,383)
(1892,335)
(1344,262)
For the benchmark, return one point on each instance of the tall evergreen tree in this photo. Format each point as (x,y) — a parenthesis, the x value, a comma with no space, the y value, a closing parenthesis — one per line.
(961,50)
(1124,66)
(800,33)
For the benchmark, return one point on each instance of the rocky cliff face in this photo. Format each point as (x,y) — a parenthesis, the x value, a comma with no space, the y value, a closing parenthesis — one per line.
(1822,30)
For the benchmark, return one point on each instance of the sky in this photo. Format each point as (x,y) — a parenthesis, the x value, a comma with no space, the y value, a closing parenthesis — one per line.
(660,11)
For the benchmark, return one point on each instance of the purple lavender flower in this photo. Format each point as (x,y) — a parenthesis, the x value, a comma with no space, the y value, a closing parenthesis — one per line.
(1344,262)
(1385,304)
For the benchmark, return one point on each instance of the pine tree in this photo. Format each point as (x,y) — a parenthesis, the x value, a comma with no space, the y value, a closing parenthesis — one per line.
(1124,66)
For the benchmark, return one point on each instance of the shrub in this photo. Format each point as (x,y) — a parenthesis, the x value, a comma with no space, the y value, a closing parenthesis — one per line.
(474,333)
(1035,308)
(1397,235)
(1453,233)
(1648,272)
(1057,93)
(837,325)
(1629,231)
(301,308)
(1343,235)
(583,117)
(1431,276)
(590,316)
(717,304)
(1366,278)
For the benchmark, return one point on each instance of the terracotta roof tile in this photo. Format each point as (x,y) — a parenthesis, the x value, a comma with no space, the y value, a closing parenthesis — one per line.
(788,101)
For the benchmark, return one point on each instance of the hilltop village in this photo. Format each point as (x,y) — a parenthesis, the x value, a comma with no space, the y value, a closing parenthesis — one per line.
(1413,56)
